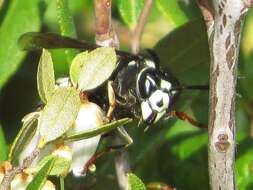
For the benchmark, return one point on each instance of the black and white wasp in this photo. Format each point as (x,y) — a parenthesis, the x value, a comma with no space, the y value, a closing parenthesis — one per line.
(142,89)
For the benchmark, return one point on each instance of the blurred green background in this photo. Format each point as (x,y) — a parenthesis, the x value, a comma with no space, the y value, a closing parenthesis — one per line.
(173,152)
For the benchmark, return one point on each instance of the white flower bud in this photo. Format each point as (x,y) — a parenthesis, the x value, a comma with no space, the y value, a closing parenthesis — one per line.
(90,116)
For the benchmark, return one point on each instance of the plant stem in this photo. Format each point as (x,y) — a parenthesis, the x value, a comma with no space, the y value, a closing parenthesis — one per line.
(223,20)
(8,177)
(105,34)
(62,183)
(138,30)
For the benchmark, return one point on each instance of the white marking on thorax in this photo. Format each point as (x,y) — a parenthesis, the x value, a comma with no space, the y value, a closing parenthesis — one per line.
(149,63)
(131,63)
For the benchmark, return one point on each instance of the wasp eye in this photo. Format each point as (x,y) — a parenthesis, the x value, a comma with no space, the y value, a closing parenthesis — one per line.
(146,83)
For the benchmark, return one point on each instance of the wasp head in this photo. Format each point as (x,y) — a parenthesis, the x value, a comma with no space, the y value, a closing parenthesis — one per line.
(157,92)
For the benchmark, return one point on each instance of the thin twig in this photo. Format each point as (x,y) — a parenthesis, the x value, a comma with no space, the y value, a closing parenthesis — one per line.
(122,165)
(138,30)
(105,34)
(248,3)
(8,177)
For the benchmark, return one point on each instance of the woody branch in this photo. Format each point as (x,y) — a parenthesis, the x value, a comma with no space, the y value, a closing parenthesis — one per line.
(223,20)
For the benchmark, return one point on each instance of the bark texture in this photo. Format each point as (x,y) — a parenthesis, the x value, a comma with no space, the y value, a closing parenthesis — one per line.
(223,20)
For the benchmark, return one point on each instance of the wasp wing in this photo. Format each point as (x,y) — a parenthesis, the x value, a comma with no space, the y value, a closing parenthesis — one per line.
(36,41)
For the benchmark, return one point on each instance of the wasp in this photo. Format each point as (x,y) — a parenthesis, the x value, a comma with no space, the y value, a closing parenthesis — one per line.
(141,88)
(138,88)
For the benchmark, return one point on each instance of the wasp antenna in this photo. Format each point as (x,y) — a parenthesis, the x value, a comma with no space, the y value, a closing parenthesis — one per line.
(195,87)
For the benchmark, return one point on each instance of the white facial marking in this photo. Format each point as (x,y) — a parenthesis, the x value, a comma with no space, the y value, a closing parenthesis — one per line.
(159,97)
(150,63)
(165,85)
(146,111)
(159,115)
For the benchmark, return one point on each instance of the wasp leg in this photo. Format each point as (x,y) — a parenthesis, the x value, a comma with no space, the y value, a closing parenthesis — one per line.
(112,100)
(183,116)
(123,135)
(100,154)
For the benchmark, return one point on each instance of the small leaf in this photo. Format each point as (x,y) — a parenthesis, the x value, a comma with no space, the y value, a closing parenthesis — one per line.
(59,114)
(23,138)
(97,68)
(26,16)
(130,11)
(62,162)
(76,66)
(135,183)
(41,177)
(94,132)
(45,76)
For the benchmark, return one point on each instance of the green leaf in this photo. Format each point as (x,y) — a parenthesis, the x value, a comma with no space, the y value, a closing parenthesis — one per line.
(67,26)
(187,58)
(182,54)
(97,68)
(94,132)
(3,146)
(135,183)
(21,17)
(76,66)
(130,11)
(45,76)
(59,113)
(177,12)
(62,162)
(23,138)
(41,177)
